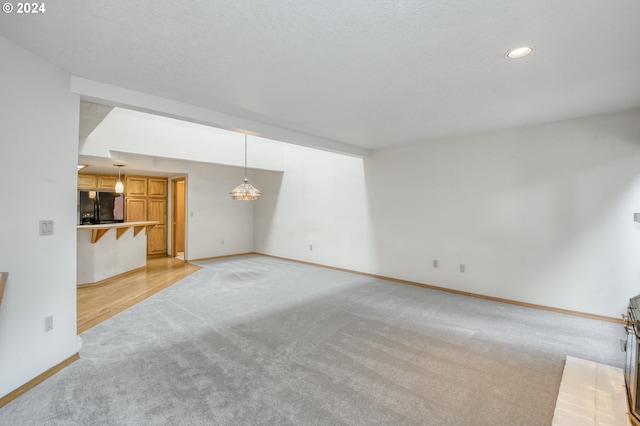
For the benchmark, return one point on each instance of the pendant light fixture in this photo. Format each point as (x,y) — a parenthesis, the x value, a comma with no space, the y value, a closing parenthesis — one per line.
(245,191)
(119,184)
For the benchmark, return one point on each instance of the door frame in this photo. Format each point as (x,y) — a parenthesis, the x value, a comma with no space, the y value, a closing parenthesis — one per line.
(174,209)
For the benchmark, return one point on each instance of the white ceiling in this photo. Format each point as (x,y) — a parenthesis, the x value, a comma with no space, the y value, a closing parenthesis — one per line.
(91,114)
(368,73)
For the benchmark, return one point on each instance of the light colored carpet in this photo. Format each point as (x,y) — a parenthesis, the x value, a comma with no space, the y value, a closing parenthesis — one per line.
(254,340)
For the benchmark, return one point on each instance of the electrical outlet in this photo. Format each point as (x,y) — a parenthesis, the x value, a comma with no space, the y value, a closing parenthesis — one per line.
(435,263)
(462,267)
(48,323)
(46,227)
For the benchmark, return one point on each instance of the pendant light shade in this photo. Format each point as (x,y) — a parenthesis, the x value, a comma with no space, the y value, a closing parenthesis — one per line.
(119,184)
(245,191)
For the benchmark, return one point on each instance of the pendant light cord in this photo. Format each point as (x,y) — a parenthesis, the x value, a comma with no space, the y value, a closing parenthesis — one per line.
(245,156)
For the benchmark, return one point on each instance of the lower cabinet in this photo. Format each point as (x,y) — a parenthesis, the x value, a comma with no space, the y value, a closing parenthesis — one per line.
(157,240)
(157,237)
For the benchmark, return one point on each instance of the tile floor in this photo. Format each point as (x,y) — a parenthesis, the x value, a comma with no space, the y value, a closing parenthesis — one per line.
(591,394)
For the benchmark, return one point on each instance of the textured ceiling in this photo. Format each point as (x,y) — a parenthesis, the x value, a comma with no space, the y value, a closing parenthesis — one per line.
(368,73)
(91,115)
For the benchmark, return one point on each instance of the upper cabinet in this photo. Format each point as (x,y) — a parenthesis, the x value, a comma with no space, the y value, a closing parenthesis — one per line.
(146,186)
(100,182)
(107,182)
(87,181)
(135,186)
(157,187)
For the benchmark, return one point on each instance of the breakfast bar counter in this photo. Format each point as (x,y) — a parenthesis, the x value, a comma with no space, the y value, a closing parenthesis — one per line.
(111,249)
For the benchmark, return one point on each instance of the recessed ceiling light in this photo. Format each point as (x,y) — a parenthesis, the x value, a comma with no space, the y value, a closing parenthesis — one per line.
(520,52)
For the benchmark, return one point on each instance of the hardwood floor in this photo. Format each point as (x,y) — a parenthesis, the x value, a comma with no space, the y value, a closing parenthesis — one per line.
(101,301)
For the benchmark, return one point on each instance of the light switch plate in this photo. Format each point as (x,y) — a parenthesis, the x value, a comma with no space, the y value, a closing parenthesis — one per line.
(46,227)
(48,323)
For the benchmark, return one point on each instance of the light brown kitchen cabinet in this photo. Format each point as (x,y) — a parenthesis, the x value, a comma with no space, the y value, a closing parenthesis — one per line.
(157,187)
(107,183)
(135,186)
(87,181)
(157,240)
(157,210)
(98,182)
(146,199)
(157,236)
(135,209)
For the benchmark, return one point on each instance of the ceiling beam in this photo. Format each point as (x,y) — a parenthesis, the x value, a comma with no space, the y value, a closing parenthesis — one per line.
(106,94)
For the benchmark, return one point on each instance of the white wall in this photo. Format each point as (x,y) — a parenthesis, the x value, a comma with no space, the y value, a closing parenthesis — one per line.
(38,154)
(540,214)
(216,224)
(320,201)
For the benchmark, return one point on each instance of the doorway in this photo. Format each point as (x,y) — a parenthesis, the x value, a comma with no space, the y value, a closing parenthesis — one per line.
(178,224)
